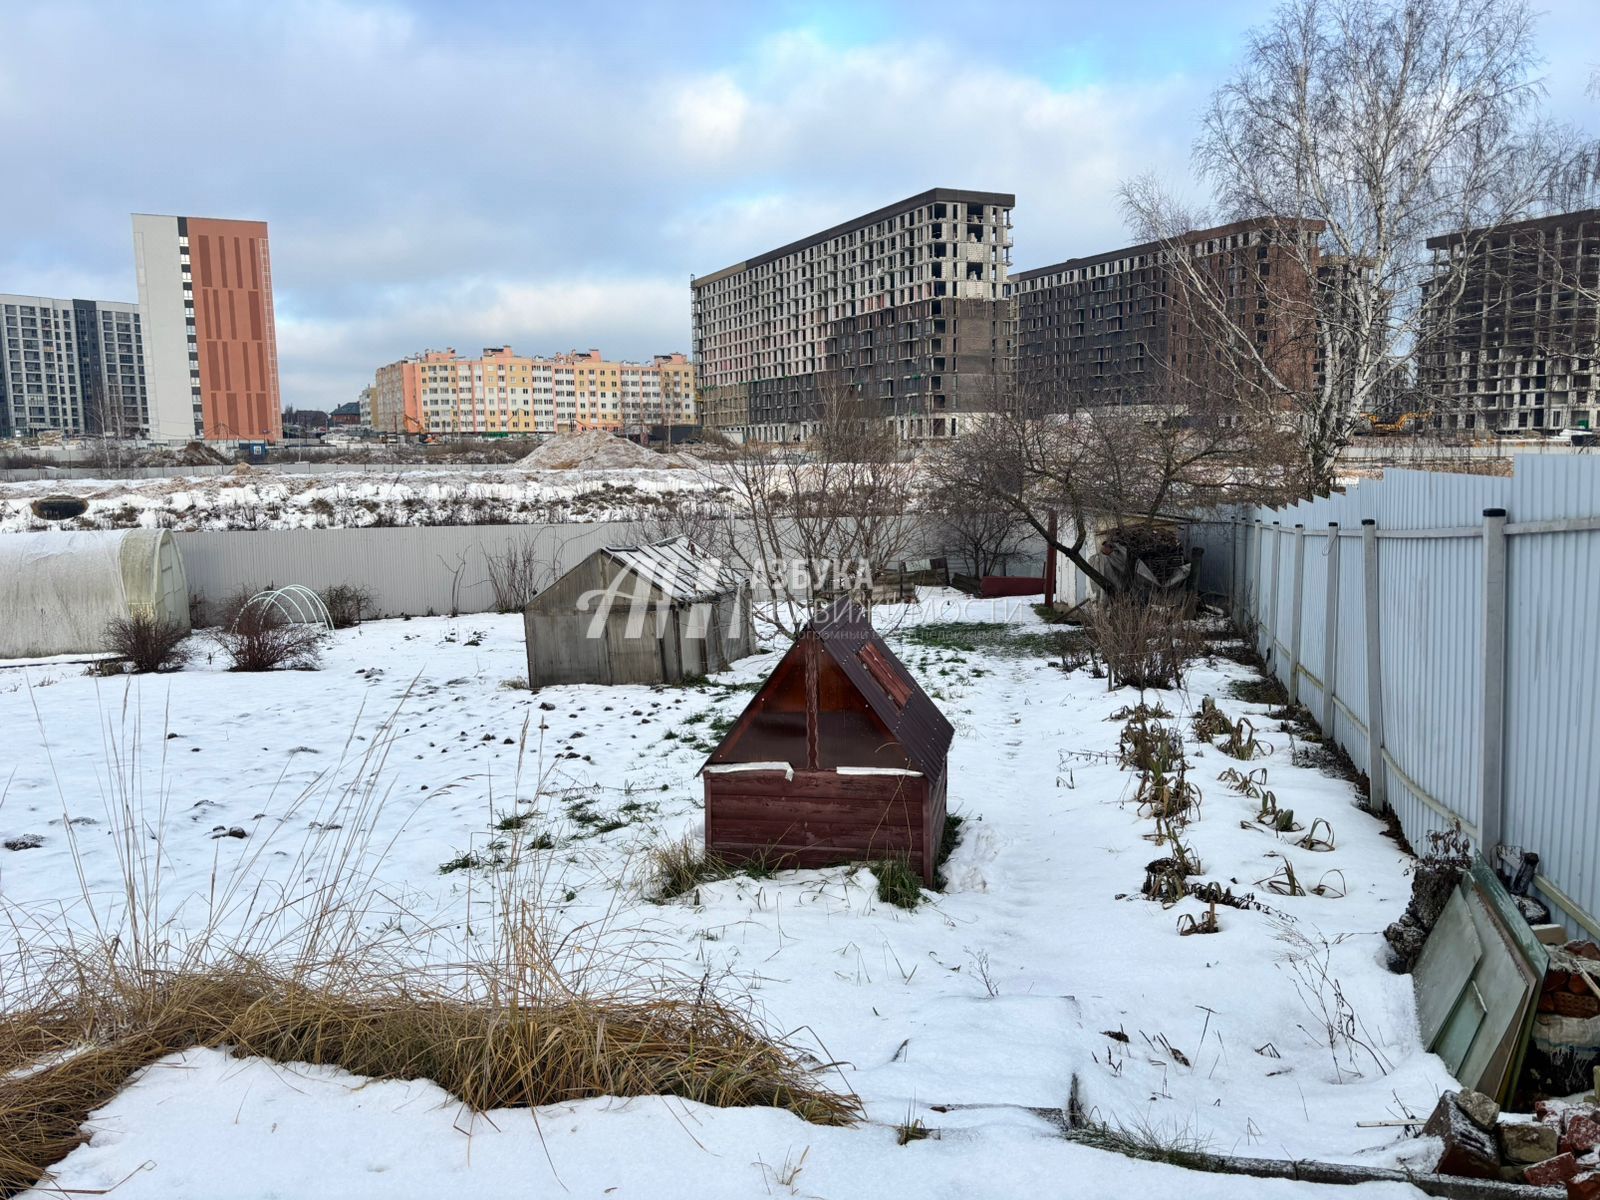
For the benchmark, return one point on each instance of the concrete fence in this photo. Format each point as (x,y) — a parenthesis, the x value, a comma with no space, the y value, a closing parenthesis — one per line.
(1442,630)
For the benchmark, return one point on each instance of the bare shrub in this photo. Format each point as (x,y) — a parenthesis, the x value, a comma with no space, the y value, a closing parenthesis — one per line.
(258,637)
(810,523)
(1144,645)
(1335,1023)
(517,575)
(149,643)
(985,536)
(347,604)
(1174,444)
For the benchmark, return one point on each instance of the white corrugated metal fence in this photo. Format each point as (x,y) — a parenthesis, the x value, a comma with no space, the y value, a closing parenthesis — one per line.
(1442,629)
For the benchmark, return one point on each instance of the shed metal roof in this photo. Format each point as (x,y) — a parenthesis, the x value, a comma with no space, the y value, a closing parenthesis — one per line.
(678,568)
(844,631)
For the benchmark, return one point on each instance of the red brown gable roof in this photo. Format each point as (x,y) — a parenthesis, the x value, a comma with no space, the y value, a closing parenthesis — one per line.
(846,634)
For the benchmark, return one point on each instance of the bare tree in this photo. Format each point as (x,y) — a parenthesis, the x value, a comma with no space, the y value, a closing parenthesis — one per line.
(1356,129)
(982,533)
(1183,448)
(805,523)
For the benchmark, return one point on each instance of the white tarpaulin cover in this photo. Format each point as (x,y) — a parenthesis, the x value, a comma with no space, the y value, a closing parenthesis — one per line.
(58,589)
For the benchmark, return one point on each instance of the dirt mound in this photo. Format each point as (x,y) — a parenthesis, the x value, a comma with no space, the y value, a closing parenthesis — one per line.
(591,450)
(194,454)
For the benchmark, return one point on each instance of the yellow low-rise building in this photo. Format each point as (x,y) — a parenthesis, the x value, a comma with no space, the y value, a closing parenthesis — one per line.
(502,392)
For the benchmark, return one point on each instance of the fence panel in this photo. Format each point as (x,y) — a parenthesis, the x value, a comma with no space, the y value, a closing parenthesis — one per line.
(1313,665)
(1350,650)
(1431,590)
(409,570)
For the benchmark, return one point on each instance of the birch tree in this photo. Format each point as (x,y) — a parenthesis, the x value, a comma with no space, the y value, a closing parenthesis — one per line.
(1381,123)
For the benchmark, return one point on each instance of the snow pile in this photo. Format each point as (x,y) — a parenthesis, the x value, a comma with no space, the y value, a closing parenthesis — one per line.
(591,450)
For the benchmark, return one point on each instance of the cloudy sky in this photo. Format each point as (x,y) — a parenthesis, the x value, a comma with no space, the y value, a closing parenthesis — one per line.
(550,175)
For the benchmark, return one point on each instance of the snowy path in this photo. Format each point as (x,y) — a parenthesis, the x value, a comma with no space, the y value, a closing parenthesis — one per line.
(1051,841)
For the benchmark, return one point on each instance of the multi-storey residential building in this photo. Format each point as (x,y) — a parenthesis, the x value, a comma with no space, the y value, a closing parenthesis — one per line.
(1124,327)
(211,348)
(1511,326)
(502,392)
(111,366)
(902,309)
(72,366)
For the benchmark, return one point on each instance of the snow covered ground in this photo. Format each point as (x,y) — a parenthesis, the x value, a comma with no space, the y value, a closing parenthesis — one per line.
(972,1013)
(261,499)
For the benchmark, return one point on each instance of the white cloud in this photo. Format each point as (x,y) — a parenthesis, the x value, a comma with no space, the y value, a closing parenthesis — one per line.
(709,115)
(848,131)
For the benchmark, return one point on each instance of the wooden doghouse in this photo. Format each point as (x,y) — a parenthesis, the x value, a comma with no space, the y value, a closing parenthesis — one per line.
(658,613)
(839,757)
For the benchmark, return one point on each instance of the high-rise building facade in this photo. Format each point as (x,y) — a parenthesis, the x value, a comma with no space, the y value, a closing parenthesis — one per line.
(211,348)
(72,366)
(1122,327)
(903,309)
(1511,327)
(503,392)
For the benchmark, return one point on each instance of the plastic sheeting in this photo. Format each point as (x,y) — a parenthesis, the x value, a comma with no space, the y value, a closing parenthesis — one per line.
(59,589)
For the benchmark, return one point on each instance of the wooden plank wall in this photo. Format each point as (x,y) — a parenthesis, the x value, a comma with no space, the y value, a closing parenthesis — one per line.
(819,818)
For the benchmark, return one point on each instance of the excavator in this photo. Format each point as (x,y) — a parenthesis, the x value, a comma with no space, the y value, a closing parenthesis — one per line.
(1410,422)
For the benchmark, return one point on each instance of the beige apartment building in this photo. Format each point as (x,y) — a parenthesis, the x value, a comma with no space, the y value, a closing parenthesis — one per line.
(502,393)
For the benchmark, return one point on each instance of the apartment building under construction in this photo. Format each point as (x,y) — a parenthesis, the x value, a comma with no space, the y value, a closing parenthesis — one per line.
(902,310)
(1511,320)
(1128,327)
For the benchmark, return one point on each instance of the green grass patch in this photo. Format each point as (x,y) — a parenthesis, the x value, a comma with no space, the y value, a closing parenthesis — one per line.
(949,839)
(998,638)
(957,635)
(898,884)
(473,860)
(1261,690)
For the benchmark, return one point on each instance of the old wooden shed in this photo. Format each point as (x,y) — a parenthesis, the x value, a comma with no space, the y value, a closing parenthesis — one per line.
(840,756)
(656,613)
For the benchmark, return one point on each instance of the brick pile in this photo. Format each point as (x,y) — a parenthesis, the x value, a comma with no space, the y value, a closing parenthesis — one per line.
(1567,991)
(1559,1147)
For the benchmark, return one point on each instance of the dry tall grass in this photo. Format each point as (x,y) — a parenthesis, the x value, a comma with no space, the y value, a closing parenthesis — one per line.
(526,1013)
